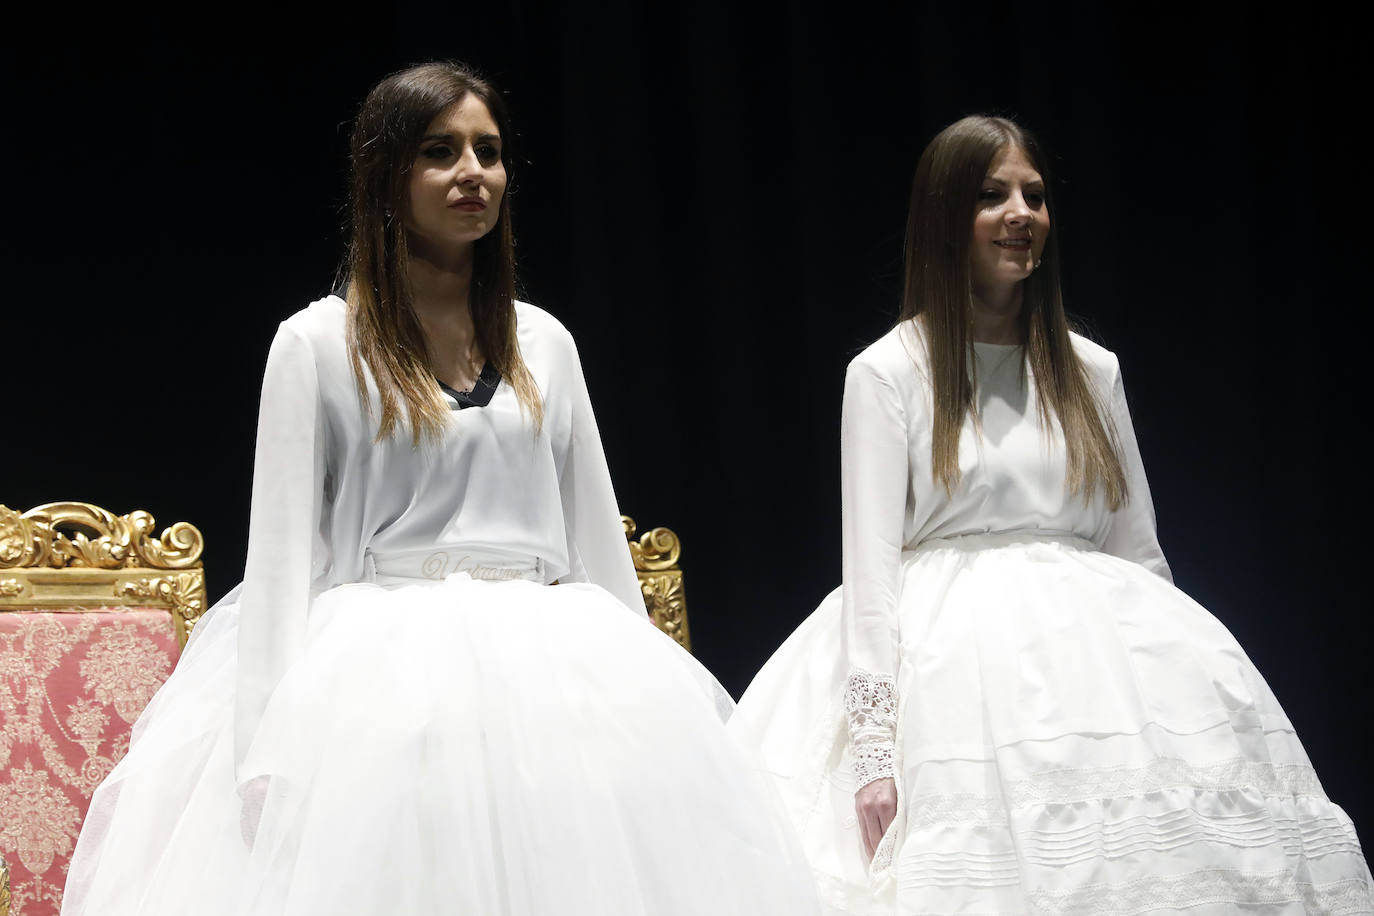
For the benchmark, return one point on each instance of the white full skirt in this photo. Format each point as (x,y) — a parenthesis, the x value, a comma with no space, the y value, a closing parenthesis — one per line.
(467,747)
(1075,735)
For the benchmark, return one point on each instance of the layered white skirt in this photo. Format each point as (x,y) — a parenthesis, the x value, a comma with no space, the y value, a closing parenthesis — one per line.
(1075,735)
(463,747)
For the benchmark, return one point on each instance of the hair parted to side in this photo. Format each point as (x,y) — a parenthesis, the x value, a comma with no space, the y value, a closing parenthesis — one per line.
(938,291)
(384,333)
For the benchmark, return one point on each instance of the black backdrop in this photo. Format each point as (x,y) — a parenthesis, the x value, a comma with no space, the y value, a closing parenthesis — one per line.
(712,199)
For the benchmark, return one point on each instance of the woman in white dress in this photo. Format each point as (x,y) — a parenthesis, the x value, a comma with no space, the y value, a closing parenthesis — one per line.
(436,690)
(1008,707)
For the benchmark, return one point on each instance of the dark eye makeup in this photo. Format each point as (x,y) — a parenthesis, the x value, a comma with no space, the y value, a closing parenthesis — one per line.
(487,153)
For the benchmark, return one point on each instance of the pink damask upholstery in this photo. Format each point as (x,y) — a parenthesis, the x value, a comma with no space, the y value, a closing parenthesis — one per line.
(94,610)
(71,684)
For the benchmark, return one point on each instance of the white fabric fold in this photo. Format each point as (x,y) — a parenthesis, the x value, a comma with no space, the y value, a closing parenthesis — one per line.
(284,547)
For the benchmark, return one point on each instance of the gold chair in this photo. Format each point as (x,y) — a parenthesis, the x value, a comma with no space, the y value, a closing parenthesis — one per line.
(655,556)
(94,612)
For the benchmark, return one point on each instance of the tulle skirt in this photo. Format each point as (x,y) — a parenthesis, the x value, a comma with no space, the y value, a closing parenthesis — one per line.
(463,747)
(1075,735)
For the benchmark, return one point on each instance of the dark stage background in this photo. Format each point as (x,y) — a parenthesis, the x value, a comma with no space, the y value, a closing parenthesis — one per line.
(713,200)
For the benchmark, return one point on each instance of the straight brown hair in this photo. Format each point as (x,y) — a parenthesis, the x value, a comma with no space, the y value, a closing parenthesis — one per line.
(938,291)
(384,333)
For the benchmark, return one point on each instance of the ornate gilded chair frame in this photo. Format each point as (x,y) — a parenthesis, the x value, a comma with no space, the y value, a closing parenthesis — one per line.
(114,561)
(108,561)
(655,556)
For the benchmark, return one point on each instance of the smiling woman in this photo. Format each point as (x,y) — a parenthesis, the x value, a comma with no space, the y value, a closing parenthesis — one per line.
(1009,232)
(436,690)
(1008,707)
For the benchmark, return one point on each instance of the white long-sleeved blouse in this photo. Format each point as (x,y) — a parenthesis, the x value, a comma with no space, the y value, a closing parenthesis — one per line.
(1013,481)
(329,501)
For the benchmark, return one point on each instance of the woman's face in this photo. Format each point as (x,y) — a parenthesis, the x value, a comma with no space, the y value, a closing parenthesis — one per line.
(1010,224)
(457,180)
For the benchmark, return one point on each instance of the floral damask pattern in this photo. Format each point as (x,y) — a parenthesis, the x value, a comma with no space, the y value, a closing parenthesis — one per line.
(87,720)
(70,685)
(36,896)
(37,820)
(124,669)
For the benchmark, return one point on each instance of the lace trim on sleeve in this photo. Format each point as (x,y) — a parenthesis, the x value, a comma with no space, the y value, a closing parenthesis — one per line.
(870,703)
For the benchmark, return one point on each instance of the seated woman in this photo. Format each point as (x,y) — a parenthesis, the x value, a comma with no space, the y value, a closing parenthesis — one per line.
(436,690)
(1008,707)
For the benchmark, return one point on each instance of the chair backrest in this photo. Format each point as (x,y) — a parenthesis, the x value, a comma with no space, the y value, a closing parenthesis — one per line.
(108,561)
(655,556)
(94,612)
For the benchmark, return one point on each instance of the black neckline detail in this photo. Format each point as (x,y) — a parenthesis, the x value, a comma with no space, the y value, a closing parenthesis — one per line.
(481,393)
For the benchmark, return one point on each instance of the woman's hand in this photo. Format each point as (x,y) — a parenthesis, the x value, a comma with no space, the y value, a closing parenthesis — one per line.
(876,806)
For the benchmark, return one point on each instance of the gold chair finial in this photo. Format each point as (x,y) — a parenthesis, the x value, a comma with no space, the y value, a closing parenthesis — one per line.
(655,555)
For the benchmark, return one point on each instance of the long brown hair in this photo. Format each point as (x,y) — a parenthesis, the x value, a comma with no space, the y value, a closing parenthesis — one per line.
(384,333)
(938,290)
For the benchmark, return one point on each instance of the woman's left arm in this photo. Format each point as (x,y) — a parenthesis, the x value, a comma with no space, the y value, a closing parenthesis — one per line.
(597,549)
(1132,535)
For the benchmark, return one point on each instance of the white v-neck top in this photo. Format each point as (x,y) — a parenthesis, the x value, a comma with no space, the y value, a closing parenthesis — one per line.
(330,502)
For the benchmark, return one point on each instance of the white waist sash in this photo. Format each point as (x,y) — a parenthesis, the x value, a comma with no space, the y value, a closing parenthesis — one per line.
(993,540)
(435,565)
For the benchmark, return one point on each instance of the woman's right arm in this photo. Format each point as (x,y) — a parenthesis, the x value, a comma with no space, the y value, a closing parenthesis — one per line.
(874,475)
(288,485)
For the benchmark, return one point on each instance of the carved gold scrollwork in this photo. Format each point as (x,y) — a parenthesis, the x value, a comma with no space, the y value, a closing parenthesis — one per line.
(655,556)
(108,549)
(655,550)
(99,539)
(23,541)
(663,596)
(179,546)
(78,556)
(183,592)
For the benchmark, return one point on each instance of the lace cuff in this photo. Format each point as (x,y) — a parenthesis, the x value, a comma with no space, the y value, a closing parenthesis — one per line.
(870,703)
